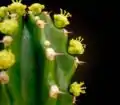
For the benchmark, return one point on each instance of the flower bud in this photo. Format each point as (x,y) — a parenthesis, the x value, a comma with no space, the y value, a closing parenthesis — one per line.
(4,78)
(7,40)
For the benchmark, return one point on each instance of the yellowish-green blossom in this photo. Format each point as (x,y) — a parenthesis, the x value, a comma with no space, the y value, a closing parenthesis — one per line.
(76,88)
(61,20)
(3,11)
(76,46)
(7,59)
(36,8)
(17,8)
(9,26)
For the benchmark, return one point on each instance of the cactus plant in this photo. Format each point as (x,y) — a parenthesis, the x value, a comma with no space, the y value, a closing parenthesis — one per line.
(37,61)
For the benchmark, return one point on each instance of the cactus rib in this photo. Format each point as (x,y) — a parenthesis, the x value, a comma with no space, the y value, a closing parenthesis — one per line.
(36,61)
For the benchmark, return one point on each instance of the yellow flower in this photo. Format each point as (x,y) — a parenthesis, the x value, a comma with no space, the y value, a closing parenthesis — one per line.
(7,59)
(61,20)
(36,8)
(76,46)
(3,11)
(76,89)
(17,8)
(9,26)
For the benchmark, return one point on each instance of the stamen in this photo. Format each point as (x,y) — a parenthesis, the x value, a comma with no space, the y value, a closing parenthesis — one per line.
(65,12)
(61,11)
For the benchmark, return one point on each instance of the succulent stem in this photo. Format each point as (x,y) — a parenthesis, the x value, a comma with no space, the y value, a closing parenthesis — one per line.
(34,50)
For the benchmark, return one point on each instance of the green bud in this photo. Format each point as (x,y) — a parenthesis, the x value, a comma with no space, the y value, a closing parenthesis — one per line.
(36,8)
(9,26)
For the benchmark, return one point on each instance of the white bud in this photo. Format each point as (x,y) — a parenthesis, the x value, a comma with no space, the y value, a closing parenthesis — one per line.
(50,53)
(4,78)
(47,14)
(54,91)
(47,43)
(7,40)
(40,23)
(37,18)
(13,16)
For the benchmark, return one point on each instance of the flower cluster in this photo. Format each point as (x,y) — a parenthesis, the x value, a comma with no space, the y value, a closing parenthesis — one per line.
(61,20)
(76,46)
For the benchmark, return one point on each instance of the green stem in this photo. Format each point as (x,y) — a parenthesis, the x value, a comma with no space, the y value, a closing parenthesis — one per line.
(70,75)
(8,91)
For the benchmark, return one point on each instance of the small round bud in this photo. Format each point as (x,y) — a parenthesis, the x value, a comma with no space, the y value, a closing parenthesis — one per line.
(4,78)
(50,53)
(40,23)
(54,91)
(13,16)
(7,40)
(47,43)
(37,18)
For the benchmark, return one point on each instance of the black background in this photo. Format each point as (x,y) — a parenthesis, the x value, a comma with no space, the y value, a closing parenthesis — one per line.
(93,21)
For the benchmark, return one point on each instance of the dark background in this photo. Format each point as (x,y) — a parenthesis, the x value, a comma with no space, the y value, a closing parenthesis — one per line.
(93,21)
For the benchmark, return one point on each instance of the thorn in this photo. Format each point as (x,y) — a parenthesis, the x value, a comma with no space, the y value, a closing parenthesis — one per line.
(56,54)
(83,87)
(50,12)
(74,100)
(51,54)
(79,62)
(67,32)
(60,92)
(82,39)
